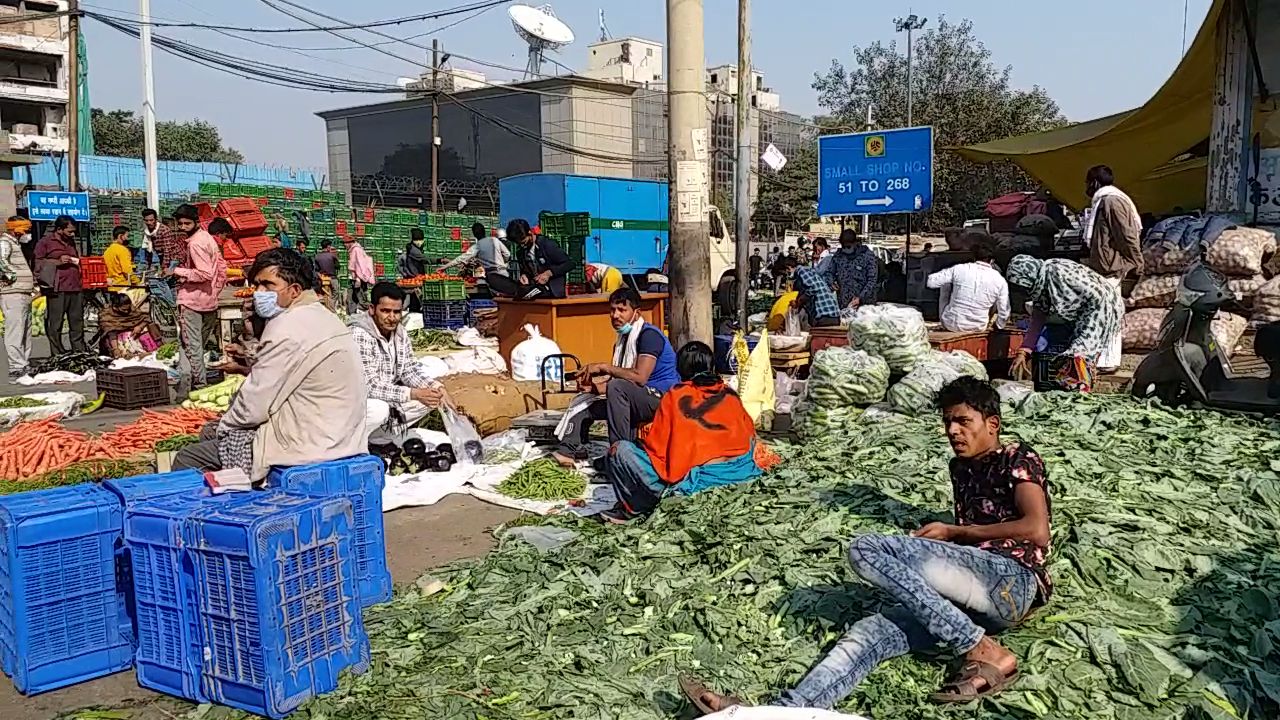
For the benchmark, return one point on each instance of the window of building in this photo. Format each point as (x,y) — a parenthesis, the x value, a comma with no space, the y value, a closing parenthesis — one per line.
(28,69)
(29,116)
(36,6)
(713,78)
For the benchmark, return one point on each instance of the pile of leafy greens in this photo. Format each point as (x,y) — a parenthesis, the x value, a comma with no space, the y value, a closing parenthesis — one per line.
(1166,562)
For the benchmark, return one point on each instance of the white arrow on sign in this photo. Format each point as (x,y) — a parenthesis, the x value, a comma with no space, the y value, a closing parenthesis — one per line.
(885,201)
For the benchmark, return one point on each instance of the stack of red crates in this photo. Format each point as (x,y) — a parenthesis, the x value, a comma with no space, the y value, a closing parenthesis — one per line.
(247,227)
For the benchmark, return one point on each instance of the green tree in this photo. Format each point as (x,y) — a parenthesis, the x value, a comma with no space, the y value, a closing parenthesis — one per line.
(119,133)
(958,90)
(787,199)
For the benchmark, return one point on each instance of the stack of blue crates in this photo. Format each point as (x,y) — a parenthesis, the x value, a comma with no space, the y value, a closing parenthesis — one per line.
(360,480)
(59,607)
(444,314)
(252,600)
(255,596)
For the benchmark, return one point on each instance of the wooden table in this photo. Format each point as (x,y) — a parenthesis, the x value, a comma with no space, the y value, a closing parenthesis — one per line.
(578,324)
(983,345)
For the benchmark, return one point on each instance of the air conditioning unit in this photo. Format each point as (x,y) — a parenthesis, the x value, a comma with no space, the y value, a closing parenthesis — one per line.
(57,130)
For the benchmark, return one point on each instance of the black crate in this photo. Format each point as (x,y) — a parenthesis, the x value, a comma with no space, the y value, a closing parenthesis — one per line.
(132,388)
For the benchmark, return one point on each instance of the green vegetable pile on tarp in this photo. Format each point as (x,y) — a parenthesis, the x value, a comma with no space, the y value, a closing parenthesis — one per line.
(918,391)
(1167,564)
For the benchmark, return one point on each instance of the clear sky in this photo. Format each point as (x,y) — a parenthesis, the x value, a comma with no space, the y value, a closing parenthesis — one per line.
(1095,57)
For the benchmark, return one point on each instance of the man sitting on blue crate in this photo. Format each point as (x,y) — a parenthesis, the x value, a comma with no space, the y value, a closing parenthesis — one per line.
(400,393)
(300,404)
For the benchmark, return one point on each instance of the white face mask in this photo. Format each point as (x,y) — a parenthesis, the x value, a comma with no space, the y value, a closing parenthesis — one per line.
(266,304)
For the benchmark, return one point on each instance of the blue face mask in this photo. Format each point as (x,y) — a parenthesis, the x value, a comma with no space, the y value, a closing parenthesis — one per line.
(624,329)
(266,304)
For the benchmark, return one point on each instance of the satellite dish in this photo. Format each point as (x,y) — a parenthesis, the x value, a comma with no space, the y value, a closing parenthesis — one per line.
(539,27)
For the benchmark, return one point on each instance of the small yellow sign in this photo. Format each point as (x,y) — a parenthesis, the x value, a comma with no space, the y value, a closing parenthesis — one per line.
(875,146)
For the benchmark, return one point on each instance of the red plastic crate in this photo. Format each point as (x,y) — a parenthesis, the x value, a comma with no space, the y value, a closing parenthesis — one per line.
(263,202)
(457,233)
(231,206)
(254,245)
(288,193)
(232,251)
(340,227)
(206,212)
(369,215)
(93,272)
(359,229)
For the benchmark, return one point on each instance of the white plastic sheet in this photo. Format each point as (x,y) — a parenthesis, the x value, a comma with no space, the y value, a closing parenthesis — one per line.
(66,404)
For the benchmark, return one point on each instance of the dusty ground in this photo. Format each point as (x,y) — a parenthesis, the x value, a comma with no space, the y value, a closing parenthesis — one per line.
(418,539)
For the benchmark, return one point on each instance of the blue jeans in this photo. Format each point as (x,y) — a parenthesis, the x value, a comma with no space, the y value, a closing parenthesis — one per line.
(940,589)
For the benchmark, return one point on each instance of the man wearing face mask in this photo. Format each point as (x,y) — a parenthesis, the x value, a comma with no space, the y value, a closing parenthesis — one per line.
(626,392)
(853,271)
(201,276)
(542,266)
(303,403)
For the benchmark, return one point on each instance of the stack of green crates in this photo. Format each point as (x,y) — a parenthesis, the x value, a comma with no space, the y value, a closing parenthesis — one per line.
(569,231)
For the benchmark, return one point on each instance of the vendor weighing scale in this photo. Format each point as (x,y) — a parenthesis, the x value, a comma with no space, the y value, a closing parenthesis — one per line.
(541,424)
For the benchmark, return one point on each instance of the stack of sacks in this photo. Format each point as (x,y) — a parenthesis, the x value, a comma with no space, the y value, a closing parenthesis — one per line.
(1170,249)
(1140,329)
(1239,254)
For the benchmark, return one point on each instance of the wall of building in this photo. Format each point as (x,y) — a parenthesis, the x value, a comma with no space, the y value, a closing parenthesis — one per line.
(33,76)
(595,122)
(395,140)
(649,134)
(100,172)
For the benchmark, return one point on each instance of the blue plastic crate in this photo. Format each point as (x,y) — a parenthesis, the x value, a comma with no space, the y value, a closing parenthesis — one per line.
(133,490)
(163,589)
(59,610)
(360,479)
(448,314)
(279,608)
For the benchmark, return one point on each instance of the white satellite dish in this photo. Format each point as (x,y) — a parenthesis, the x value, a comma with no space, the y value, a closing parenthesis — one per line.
(539,27)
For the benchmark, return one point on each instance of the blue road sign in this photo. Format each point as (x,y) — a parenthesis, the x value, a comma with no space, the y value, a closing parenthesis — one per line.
(49,204)
(876,173)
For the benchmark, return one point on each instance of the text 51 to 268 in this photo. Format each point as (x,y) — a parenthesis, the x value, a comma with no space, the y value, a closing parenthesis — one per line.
(863,186)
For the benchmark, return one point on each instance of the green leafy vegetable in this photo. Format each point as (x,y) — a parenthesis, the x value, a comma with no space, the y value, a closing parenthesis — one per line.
(1166,565)
(177,442)
(13,403)
(425,339)
(167,351)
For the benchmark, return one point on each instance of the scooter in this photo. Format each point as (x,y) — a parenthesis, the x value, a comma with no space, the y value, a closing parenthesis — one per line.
(1188,366)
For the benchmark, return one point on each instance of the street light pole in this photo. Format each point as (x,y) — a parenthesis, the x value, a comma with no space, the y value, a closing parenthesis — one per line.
(745,163)
(909,24)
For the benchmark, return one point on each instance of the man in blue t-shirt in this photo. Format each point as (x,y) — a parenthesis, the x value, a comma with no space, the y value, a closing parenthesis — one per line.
(643,367)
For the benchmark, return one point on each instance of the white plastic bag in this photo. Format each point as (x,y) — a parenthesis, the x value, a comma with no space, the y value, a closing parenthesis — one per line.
(481,360)
(467,447)
(896,333)
(527,357)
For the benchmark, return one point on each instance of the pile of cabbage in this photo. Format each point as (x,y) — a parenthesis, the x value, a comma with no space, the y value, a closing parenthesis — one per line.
(896,333)
(841,379)
(918,391)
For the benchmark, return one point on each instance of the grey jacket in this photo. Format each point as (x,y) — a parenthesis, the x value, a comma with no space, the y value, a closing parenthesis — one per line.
(13,264)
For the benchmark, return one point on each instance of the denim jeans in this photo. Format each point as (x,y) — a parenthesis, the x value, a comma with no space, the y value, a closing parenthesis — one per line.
(940,588)
(634,480)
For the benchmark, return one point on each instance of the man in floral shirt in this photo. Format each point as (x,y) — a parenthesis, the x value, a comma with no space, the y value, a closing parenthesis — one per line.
(989,566)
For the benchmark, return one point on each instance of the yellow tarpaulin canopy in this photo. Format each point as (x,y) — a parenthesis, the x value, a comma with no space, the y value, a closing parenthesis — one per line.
(1138,145)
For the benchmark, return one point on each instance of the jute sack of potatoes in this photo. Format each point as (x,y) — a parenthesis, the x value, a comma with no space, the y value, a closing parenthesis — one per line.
(1241,251)
(1154,291)
(1266,301)
(1140,329)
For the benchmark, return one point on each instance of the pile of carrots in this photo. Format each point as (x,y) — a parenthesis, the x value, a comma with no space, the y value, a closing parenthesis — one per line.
(35,448)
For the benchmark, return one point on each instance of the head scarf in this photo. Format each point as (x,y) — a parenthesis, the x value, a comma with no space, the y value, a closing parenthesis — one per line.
(1027,272)
(18,227)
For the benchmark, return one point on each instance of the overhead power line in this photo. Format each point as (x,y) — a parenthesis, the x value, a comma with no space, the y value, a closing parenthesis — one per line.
(470,7)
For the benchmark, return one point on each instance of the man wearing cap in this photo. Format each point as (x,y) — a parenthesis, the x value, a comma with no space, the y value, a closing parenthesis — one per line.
(488,250)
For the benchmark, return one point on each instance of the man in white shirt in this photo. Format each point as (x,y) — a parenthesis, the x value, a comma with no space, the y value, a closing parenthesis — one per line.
(970,291)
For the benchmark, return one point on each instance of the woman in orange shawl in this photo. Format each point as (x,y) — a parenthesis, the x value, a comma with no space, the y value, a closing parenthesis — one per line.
(701,437)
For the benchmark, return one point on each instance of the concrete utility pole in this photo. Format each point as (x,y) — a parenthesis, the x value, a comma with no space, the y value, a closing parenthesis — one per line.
(742,171)
(866,219)
(148,108)
(435,126)
(689,252)
(73,95)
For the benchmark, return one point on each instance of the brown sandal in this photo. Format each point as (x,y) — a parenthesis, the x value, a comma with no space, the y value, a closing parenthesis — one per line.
(695,690)
(959,689)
